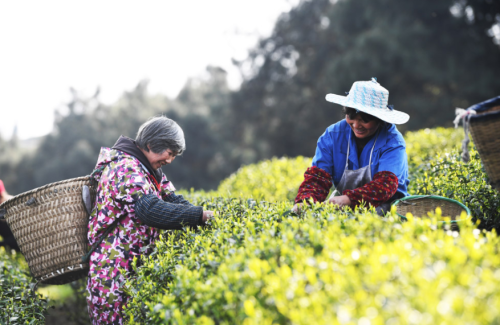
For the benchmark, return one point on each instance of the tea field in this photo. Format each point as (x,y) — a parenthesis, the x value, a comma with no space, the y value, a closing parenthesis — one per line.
(256,266)
(256,263)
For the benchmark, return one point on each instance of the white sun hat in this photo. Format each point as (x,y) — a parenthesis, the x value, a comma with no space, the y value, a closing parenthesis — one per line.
(371,98)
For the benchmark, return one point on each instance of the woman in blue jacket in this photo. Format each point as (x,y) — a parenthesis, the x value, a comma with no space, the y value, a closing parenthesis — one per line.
(362,156)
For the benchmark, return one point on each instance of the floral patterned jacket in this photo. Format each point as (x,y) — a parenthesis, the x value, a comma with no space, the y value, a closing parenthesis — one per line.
(123,181)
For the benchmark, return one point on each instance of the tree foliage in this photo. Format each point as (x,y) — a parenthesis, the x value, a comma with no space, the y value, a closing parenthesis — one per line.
(429,58)
(85,125)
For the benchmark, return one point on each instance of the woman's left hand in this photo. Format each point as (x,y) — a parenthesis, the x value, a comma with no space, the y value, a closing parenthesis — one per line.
(341,201)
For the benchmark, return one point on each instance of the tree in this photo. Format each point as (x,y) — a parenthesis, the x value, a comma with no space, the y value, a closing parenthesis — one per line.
(430,60)
(84,125)
(203,113)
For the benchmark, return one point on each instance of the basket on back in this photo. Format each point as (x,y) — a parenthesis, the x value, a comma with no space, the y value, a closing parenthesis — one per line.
(484,126)
(421,205)
(50,227)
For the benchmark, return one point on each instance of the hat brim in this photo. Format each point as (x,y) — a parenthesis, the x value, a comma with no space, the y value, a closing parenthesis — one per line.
(386,115)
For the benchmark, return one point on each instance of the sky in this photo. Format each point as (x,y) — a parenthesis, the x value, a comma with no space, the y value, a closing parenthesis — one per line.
(48,46)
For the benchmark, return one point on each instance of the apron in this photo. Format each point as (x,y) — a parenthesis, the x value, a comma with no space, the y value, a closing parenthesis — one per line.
(352,179)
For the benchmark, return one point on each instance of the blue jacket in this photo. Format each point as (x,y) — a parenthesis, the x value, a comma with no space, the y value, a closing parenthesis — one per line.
(389,153)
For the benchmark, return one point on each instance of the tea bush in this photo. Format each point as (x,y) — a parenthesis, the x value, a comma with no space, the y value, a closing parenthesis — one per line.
(255,266)
(448,176)
(425,144)
(19,302)
(277,179)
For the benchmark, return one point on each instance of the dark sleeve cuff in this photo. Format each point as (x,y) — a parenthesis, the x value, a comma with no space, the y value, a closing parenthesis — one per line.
(165,215)
(316,185)
(382,187)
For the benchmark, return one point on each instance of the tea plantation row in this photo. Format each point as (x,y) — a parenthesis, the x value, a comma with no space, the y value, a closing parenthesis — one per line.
(255,266)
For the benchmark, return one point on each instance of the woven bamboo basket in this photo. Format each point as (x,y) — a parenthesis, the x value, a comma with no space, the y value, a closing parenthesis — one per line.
(484,127)
(50,227)
(421,205)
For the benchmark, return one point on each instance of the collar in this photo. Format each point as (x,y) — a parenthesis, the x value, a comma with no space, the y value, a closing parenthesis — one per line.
(129,146)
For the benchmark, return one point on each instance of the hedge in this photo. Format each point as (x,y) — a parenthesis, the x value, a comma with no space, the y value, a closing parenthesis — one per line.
(255,266)
(448,176)
(424,145)
(272,180)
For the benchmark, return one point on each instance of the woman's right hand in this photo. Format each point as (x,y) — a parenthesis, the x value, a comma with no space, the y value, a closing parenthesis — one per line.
(340,201)
(207,215)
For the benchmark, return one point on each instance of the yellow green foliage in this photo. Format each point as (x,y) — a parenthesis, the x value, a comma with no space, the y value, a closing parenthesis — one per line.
(272,180)
(425,144)
(255,266)
(446,175)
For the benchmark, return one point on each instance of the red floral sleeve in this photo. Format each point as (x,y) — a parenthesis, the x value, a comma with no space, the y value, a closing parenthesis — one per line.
(316,185)
(383,186)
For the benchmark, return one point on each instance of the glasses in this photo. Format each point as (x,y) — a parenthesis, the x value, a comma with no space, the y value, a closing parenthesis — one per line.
(351,113)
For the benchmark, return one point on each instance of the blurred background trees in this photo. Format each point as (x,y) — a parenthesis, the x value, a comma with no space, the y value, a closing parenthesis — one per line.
(433,56)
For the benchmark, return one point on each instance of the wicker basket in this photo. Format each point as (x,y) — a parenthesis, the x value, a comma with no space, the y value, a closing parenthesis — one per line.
(420,205)
(50,227)
(484,127)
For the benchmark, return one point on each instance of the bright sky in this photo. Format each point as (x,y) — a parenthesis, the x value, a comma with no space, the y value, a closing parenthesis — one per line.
(48,46)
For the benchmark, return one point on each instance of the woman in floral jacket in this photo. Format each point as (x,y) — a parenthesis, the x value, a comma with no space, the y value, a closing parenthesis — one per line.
(134,199)
(362,156)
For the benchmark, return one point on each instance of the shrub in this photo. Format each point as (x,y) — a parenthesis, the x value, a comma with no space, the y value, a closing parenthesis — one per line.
(448,176)
(425,144)
(270,180)
(436,168)
(254,266)
(19,302)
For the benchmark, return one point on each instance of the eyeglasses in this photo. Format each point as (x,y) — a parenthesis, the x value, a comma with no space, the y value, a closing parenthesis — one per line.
(351,113)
